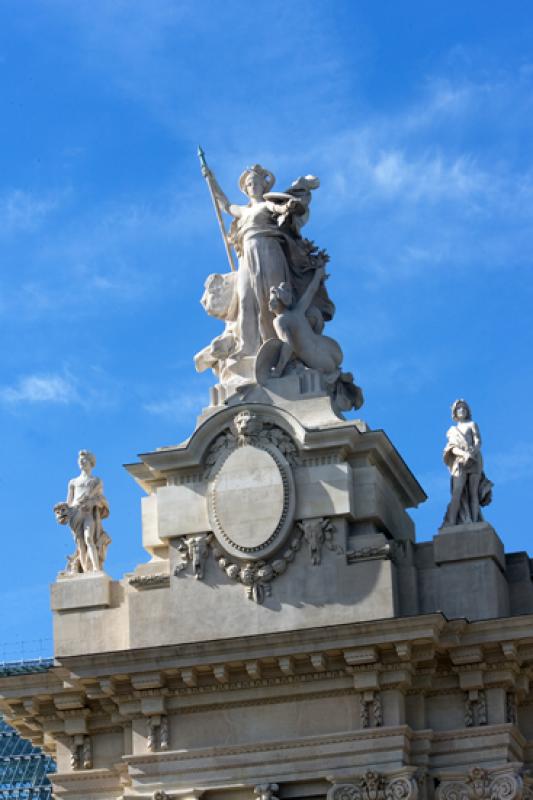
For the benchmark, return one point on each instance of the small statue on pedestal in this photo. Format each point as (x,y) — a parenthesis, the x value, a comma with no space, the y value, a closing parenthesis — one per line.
(470,488)
(83,511)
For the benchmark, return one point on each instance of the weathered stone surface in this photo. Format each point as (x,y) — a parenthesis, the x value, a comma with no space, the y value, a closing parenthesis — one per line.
(89,590)
(467,542)
(251,501)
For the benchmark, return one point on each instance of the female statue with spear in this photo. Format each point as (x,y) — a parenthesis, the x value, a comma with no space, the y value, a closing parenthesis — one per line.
(265,233)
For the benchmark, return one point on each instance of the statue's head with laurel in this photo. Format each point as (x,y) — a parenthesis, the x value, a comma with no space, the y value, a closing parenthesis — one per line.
(256,181)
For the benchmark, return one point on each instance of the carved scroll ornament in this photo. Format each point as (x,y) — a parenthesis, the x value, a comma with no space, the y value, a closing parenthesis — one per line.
(376,786)
(481,784)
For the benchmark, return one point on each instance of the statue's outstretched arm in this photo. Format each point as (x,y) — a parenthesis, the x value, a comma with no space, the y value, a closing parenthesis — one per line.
(221,197)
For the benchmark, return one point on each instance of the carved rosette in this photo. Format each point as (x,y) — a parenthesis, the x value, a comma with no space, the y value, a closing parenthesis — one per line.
(376,786)
(481,784)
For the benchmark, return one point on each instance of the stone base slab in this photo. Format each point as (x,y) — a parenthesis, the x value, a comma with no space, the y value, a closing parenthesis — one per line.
(91,590)
(471,575)
(467,542)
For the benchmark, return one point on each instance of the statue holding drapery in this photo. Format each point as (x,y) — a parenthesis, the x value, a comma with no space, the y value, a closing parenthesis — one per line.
(83,511)
(470,487)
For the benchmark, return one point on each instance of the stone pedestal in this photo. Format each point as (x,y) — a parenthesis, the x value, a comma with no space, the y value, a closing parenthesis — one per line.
(472,581)
(89,590)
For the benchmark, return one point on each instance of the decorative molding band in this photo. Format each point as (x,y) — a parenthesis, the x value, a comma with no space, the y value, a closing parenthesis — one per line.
(265,701)
(157,581)
(273,747)
(369,553)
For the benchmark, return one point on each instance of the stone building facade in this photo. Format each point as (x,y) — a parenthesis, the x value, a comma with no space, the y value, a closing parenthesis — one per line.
(288,637)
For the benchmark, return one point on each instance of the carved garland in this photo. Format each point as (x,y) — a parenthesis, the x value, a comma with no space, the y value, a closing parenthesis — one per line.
(256,576)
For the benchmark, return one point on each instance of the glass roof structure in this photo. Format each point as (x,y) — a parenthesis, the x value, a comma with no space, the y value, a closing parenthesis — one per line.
(23,767)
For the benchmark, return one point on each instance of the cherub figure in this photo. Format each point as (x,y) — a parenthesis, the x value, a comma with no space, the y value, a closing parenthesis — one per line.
(295,330)
(301,335)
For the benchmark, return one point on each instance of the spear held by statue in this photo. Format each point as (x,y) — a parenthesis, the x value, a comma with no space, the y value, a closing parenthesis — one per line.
(208,175)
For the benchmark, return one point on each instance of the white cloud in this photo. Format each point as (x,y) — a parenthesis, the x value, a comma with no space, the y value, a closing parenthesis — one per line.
(95,389)
(103,255)
(24,211)
(378,166)
(174,406)
(37,389)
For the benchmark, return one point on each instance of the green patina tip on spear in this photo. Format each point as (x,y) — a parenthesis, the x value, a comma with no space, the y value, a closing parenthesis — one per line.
(201,156)
(213,192)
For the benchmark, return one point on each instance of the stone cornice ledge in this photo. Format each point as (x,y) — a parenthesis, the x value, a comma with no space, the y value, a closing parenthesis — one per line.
(96,780)
(480,731)
(422,628)
(364,735)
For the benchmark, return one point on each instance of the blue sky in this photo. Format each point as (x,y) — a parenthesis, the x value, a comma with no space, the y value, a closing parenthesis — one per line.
(418,119)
